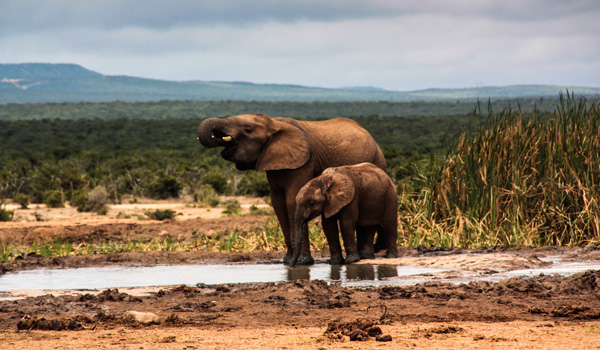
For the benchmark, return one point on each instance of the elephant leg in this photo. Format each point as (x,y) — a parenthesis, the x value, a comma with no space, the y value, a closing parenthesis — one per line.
(305,258)
(389,229)
(380,243)
(391,234)
(330,227)
(364,236)
(347,226)
(280,208)
(284,189)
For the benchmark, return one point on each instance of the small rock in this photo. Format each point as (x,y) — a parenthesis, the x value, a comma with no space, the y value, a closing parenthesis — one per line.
(384,338)
(358,335)
(141,317)
(374,331)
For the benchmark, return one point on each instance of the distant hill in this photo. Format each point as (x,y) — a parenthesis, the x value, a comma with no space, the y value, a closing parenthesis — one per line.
(42,82)
(44,70)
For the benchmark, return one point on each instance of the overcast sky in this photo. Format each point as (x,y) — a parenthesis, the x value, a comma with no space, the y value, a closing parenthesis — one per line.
(392,44)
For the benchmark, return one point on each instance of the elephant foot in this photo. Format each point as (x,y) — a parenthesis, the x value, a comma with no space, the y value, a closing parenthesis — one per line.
(367,255)
(352,257)
(336,259)
(287,258)
(380,243)
(303,260)
(389,254)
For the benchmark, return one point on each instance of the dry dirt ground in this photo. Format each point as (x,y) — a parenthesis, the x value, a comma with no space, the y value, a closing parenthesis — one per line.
(544,312)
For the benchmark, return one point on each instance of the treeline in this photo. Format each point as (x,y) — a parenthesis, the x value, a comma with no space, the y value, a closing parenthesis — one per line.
(161,158)
(199,109)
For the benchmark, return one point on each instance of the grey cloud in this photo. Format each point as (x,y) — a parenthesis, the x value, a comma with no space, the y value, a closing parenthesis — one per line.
(18,16)
(33,15)
(387,43)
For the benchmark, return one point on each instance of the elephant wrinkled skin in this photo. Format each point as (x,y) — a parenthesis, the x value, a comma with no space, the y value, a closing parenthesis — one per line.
(292,152)
(360,198)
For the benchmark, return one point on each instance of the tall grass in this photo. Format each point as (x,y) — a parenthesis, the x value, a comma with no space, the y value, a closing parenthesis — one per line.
(520,179)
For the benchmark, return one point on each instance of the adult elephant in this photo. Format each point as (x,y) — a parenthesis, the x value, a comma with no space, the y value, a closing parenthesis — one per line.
(292,152)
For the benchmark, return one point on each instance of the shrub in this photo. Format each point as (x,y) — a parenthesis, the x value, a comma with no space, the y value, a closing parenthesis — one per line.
(217,181)
(79,199)
(158,214)
(164,187)
(207,195)
(22,199)
(97,199)
(6,215)
(53,199)
(254,184)
(232,207)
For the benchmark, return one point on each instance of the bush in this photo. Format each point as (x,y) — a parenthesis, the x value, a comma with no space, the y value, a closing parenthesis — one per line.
(232,207)
(79,199)
(217,181)
(164,187)
(254,184)
(158,214)
(53,199)
(97,199)
(22,199)
(6,215)
(207,195)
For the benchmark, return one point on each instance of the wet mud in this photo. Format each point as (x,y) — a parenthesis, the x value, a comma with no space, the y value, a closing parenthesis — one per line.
(545,311)
(342,314)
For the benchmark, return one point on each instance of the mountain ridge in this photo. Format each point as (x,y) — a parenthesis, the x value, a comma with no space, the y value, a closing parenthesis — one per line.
(68,82)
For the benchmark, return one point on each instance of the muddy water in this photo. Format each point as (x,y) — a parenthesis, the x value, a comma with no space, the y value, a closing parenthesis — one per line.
(347,275)
(126,276)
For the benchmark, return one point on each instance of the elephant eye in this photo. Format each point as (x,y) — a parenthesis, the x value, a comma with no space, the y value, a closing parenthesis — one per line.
(247,129)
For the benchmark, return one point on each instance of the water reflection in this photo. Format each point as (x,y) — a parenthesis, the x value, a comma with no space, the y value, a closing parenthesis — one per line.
(131,276)
(298,273)
(342,273)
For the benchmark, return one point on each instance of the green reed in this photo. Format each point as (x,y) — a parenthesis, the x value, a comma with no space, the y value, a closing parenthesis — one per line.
(522,179)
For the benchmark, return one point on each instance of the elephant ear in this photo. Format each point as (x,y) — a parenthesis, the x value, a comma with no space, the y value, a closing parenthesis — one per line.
(287,149)
(340,192)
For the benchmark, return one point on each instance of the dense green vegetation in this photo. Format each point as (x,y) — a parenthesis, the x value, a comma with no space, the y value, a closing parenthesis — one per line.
(198,109)
(161,158)
(506,177)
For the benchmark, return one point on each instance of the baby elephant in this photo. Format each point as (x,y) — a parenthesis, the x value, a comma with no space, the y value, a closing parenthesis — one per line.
(361,198)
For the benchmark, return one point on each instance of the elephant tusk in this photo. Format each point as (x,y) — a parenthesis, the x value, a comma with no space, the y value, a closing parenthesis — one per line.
(227,138)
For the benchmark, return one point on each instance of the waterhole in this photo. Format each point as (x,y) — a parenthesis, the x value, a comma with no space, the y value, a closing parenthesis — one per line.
(127,276)
(347,275)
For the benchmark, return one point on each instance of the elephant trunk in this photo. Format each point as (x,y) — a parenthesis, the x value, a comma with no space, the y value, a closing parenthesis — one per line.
(211,133)
(297,232)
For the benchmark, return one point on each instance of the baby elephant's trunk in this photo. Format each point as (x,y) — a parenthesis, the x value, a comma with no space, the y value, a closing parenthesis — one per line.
(297,236)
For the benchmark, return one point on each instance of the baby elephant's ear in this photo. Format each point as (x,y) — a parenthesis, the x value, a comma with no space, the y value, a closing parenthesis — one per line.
(339,191)
(287,149)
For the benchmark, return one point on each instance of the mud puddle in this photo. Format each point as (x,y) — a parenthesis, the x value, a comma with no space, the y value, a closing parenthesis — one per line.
(356,275)
(128,276)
